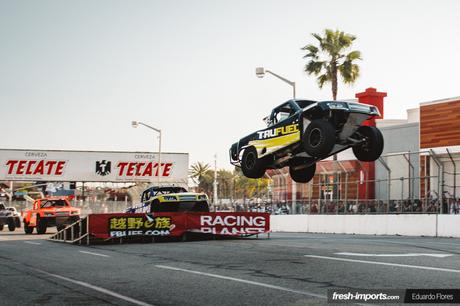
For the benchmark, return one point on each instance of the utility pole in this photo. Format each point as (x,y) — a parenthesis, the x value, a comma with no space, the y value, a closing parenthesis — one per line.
(215,181)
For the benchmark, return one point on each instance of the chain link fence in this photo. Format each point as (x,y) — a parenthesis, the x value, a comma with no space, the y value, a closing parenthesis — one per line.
(406,182)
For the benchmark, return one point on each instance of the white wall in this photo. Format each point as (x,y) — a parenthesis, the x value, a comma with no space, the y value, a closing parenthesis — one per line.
(449,226)
(406,225)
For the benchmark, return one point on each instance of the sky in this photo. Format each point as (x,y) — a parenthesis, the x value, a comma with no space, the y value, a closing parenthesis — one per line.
(74,74)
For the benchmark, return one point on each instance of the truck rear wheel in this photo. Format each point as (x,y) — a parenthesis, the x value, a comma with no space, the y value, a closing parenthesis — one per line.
(372,147)
(1,227)
(251,165)
(319,138)
(301,174)
(41,225)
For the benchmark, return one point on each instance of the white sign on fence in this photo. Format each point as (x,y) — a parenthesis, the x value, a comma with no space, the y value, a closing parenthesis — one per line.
(92,166)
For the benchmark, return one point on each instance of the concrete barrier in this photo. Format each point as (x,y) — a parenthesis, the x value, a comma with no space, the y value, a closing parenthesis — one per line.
(449,226)
(404,224)
(289,223)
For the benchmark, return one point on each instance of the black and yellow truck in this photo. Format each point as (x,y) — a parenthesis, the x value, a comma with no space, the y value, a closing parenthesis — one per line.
(170,199)
(299,133)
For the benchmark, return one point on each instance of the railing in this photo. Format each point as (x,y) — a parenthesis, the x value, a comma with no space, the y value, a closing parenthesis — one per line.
(357,206)
(75,233)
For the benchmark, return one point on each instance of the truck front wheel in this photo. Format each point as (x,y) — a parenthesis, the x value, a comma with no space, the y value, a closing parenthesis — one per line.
(28,229)
(319,138)
(41,225)
(251,165)
(11,225)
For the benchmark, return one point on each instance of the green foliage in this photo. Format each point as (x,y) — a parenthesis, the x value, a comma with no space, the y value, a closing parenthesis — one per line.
(230,184)
(330,59)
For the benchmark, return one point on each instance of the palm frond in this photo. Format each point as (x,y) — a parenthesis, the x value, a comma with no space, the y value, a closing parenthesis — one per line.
(312,51)
(323,79)
(354,55)
(314,67)
(349,72)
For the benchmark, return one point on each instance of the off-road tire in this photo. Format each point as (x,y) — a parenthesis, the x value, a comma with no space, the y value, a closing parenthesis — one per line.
(319,138)
(28,229)
(302,174)
(1,227)
(371,149)
(18,222)
(41,226)
(11,225)
(251,165)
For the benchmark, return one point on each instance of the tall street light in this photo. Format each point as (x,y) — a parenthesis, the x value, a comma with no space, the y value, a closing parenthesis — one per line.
(260,73)
(135,124)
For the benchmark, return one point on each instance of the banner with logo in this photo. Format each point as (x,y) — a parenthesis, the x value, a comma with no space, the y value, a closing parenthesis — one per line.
(92,166)
(120,225)
(229,223)
(164,224)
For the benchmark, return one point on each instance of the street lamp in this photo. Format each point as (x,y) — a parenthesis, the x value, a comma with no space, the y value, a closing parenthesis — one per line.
(260,73)
(135,124)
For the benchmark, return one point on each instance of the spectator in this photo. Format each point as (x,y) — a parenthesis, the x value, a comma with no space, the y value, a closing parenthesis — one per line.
(314,209)
(454,207)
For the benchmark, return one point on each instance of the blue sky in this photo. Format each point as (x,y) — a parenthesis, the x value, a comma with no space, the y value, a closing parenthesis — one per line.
(74,74)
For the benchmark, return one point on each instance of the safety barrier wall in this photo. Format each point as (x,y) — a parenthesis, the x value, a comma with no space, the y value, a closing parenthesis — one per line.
(406,224)
(449,226)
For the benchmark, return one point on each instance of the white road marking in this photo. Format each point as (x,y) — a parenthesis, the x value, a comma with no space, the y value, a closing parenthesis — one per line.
(410,242)
(243,281)
(95,254)
(395,255)
(31,242)
(385,263)
(96,288)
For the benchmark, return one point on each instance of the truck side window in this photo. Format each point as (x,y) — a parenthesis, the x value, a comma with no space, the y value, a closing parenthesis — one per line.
(281,113)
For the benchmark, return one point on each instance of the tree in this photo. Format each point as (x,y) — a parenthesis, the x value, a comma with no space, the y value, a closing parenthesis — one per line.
(197,171)
(329,59)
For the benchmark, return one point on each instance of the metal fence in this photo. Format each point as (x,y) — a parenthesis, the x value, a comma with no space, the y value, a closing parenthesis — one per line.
(406,182)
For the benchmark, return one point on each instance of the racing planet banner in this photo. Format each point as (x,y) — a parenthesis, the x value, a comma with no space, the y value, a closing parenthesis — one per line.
(229,223)
(92,166)
(122,225)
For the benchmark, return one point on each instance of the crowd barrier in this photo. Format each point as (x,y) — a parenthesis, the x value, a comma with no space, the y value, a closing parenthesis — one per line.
(431,225)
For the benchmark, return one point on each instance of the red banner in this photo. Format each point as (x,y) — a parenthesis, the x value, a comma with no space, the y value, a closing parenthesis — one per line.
(118,225)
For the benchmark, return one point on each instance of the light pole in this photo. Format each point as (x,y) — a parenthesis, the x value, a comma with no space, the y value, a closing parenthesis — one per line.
(215,182)
(135,124)
(260,73)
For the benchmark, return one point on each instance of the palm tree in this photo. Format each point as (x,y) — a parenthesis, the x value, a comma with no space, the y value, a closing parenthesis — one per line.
(329,59)
(198,170)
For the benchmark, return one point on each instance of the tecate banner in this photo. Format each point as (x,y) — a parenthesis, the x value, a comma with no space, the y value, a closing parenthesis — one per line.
(92,166)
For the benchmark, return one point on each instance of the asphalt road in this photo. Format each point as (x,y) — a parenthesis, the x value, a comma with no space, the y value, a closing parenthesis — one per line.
(287,269)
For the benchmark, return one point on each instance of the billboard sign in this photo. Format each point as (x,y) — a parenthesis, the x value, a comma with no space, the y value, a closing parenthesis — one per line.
(92,166)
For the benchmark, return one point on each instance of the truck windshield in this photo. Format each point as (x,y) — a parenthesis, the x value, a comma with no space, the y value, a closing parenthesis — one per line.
(201,206)
(54,203)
